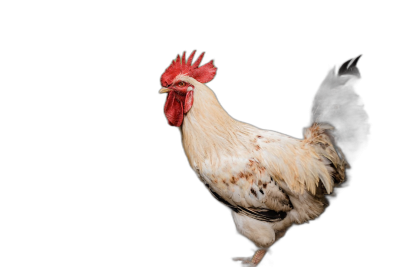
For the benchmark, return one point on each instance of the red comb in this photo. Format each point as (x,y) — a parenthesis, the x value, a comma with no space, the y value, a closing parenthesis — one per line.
(203,74)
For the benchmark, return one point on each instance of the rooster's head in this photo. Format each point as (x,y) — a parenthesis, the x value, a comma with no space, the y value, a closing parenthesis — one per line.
(180,91)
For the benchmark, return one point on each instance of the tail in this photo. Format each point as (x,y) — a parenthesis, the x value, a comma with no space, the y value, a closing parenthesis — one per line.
(336,103)
(339,121)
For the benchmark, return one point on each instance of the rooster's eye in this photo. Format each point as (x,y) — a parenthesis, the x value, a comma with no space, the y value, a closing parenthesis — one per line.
(182,84)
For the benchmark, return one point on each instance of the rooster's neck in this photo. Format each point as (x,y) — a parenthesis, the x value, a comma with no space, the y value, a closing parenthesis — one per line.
(208,132)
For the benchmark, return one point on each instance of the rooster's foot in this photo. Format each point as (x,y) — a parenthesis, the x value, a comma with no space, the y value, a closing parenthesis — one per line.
(246,261)
(253,261)
(242,258)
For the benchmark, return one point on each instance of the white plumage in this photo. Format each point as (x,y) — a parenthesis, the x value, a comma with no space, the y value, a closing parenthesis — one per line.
(268,179)
(251,167)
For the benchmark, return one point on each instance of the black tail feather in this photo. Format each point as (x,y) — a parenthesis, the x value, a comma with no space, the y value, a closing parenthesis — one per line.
(337,103)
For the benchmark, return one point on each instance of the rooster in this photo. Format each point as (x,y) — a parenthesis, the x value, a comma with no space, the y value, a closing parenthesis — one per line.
(269,180)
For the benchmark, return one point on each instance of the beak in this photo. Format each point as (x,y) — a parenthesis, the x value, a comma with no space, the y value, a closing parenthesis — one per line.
(164,90)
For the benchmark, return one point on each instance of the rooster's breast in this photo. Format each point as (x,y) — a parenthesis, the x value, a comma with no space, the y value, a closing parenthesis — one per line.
(244,179)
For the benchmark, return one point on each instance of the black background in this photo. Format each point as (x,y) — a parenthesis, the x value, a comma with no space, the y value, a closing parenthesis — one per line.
(129,195)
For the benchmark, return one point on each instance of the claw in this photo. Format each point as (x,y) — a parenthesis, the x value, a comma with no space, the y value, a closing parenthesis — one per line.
(247,263)
(242,259)
(350,67)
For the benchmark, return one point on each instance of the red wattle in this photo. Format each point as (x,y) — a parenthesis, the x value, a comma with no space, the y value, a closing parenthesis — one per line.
(173,110)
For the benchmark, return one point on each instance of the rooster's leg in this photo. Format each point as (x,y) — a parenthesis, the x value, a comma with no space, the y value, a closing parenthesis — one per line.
(253,261)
